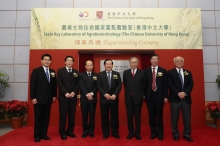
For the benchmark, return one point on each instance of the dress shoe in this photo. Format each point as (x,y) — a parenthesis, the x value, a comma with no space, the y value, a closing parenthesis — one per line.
(160,137)
(37,139)
(92,135)
(116,136)
(129,136)
(71,135)
(176,138)
(188,138)
(104,137)
(153,136)
(45,137)
(63,137)
(138,137)
(84,135)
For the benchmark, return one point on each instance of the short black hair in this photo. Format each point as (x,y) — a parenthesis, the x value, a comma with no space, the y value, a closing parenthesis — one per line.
(108,60)
(152,55)
(88,60)
(46,55)
(69,57)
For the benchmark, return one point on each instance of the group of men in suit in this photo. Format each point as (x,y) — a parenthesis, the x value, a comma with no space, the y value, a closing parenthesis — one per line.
(150,85)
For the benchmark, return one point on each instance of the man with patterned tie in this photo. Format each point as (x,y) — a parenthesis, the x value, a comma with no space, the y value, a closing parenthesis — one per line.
(88,99)
(156,93)
(67,81)
(109,85)
(134,93)
(43,93)
(180,83)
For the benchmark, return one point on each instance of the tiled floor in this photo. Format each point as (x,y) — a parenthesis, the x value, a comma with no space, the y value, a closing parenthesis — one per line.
(5,128)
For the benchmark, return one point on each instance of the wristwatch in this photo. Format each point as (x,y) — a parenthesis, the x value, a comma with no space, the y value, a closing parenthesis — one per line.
(92,93)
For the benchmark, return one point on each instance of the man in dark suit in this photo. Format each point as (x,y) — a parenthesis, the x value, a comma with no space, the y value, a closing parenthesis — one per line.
(88,99)
(67,81)
(156,93)
(109,85)
(134,93)
(180,83)
(43,93)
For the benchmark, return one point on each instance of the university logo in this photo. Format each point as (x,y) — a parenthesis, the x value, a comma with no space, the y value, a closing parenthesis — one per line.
(99,14)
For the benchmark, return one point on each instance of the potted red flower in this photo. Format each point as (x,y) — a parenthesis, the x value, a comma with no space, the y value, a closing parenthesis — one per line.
(213,108)
(15,111)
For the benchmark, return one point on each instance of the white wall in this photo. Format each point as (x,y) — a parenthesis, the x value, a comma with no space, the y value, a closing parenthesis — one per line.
(15,36)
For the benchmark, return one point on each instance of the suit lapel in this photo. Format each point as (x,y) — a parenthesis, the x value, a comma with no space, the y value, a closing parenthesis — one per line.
(105,76)
(66,72)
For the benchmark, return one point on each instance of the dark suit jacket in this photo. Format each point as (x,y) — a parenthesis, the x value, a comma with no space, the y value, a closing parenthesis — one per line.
(134,85)
(40,88)
(67,84)
(103,86)
(175,86)
(87,85)
(161,82)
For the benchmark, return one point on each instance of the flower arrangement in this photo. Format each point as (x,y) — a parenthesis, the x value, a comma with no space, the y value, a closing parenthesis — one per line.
(15,108)
(214,109)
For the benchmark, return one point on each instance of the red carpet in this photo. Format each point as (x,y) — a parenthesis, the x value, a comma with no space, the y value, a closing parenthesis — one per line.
(202,136)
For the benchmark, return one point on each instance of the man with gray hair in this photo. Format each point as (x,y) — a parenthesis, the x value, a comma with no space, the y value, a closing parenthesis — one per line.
(180,82)
(134,93)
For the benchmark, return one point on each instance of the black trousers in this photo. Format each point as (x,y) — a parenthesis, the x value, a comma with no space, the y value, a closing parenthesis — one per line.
(67,109)
(134,110)
(88,112)
(175,113)
(111,108)
(155,111)
(41,119)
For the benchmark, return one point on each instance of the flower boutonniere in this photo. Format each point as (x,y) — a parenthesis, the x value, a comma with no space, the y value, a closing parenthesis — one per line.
(185,73)
(94,78)
(159,74)
(75,75)
(52,74)
(115,77)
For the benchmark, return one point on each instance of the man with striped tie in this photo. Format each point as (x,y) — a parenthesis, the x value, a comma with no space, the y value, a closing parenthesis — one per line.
(155,96)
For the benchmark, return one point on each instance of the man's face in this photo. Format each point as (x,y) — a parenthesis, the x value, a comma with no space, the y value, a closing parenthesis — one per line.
(69,62)
(133,63)
(46,61)
(108,65)
(178,62)
(154,61)
(89,66)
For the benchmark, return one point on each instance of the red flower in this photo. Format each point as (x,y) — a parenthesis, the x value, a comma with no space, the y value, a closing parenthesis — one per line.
(213,107)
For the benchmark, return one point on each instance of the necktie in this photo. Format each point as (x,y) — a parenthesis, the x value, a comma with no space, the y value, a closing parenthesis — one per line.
(109,80)
(70,72)
(181,78)
(89,74)
(47,74)
(154,80)
(133,72)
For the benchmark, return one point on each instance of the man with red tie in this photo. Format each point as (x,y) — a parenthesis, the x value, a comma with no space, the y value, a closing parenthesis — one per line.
(156,94)
(134,93)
